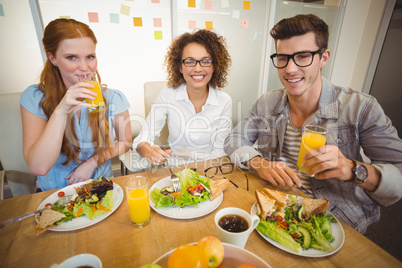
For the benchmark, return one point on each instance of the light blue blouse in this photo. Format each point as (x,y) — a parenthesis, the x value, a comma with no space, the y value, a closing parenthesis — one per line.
(55,178)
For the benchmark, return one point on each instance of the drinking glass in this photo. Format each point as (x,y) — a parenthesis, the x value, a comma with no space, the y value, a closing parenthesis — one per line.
(138,201)
(313,136)
(98,104)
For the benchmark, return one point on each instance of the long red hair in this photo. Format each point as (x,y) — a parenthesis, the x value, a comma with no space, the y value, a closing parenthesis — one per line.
(51,84)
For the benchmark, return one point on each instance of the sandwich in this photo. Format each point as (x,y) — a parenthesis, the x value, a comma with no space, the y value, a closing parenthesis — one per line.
(217,187)
(265,205)
(49,218)
(279,197)
(313,207)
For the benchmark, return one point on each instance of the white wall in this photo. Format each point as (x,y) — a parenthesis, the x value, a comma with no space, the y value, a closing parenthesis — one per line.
(357,39)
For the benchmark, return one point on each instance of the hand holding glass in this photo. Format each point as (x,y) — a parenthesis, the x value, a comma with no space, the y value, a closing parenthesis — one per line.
(138,200)
(98,104)
(313,137)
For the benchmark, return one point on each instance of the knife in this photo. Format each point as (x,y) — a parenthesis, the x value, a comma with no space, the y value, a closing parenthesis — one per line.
(61,201)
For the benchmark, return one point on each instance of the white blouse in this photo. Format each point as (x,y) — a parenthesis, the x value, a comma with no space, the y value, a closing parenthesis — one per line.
(192,136)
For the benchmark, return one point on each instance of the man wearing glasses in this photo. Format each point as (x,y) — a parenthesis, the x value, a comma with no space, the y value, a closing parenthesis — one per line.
(268,139)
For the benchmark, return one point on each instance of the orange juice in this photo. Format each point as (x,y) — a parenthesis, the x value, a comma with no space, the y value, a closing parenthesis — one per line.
(138,205)
(98,103)
(310,141)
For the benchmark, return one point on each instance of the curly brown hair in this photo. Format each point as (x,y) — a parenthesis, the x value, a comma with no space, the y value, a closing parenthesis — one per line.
(215,46)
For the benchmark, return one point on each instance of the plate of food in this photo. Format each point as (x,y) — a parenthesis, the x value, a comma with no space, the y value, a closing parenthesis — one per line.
(307,230)
(218,254)
(198,196)
(87,203)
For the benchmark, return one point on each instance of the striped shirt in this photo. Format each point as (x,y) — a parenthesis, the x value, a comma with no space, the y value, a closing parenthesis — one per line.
(290,153)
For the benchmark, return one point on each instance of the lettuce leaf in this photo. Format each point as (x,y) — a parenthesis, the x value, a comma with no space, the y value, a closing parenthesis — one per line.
(88,207)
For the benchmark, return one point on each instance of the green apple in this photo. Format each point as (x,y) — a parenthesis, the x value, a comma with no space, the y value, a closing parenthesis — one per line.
(213,250)
(151,266)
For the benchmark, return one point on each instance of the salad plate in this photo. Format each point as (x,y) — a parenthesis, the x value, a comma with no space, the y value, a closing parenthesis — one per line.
(186,212)
(233,257)
(337,233)
(84,221)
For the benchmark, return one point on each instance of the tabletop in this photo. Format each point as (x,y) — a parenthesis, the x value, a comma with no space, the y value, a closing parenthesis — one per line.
(118,244)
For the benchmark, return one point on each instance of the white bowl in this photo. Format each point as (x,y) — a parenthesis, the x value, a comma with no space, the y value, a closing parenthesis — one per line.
(234,256)
(81,260)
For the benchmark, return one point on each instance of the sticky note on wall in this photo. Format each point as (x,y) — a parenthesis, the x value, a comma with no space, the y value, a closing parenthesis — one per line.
(191,3)
(246,4)
(114,18)
(93,17)
(157,22)
(137,21)
(1,10)
(244,24)
(158,35)
(192,24)
(125,10)
(209,25)
(208,4)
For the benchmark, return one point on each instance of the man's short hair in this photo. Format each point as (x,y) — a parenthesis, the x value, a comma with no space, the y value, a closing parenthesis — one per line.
(302,24)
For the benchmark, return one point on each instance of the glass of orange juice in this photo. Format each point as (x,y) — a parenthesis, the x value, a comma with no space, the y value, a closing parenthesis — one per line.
(98,104)
(313,137)
(138,201)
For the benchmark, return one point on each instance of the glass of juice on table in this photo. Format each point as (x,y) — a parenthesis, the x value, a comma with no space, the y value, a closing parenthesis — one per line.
(313,137)
(138,200)
(98,104)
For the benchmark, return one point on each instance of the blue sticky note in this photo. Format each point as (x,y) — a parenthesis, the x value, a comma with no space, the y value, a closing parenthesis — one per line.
(114,18)
(1,10)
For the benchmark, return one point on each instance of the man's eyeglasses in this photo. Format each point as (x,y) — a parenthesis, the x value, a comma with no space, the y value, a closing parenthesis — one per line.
(301,59)
(190,62)
(224,169)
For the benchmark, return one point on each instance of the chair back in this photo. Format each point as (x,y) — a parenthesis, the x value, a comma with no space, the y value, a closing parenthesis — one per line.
(151,92)
(11,156)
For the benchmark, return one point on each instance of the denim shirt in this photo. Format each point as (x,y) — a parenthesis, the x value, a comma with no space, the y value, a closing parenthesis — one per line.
(354,120)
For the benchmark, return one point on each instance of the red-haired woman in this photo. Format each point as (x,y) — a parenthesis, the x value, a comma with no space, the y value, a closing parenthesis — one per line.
(62,142)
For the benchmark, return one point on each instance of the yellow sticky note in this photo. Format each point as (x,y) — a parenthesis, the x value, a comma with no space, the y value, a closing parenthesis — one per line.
(137,21)
(125,10)
(246,4)
(191,3)
(209,25)
(158,35)
(64,17)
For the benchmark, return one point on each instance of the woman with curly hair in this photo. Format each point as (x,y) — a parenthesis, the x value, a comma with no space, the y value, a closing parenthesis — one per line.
(197,112)
(62,142)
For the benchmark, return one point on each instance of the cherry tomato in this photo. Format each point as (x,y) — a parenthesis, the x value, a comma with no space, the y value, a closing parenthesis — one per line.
(48,204)
(285,224)
(61,194)
(201,188)
(279,218)
(295,235)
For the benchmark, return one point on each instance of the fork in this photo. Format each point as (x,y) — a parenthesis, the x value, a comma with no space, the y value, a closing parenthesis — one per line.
(174,178)
(296,206)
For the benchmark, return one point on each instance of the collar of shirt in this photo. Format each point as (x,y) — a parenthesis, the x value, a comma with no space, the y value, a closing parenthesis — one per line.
(182,95)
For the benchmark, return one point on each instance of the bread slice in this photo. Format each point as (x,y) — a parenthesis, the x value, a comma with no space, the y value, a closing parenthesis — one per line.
(265,204)
(217,187)
(48,219)
(279,197)
(313,207)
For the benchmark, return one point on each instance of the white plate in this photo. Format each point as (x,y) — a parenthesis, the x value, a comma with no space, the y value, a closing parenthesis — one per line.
(186,212)
(233,257)
(84,221)
(337,233)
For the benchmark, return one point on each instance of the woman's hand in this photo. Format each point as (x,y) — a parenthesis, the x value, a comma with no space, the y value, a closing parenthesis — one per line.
(83,172)
(153,154)
(75,96)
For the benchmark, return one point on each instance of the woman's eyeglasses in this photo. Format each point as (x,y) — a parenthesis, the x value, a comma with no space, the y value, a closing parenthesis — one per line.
(224,169)
(190,62)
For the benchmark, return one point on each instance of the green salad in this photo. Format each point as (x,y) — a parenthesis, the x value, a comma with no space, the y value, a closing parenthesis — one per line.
(300,234)
(194,190)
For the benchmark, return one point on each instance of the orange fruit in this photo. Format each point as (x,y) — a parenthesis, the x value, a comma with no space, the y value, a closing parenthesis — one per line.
(188,256)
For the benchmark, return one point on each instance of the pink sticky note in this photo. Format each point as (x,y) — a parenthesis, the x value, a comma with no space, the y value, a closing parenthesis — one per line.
(244,24)
(93,17)
(155,1)
(192,24)
(208,4)
(157,22)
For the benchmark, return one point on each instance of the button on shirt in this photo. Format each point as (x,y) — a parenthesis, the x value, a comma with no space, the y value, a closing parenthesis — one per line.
(192,136)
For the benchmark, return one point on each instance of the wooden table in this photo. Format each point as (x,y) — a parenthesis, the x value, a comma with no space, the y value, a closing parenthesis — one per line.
(118,244)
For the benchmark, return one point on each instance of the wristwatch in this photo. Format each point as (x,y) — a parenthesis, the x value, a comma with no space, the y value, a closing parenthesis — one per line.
(360,172)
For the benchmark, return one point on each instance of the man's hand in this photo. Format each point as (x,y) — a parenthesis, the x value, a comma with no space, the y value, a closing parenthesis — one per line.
(154,154)
(277,172)
(328,161)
